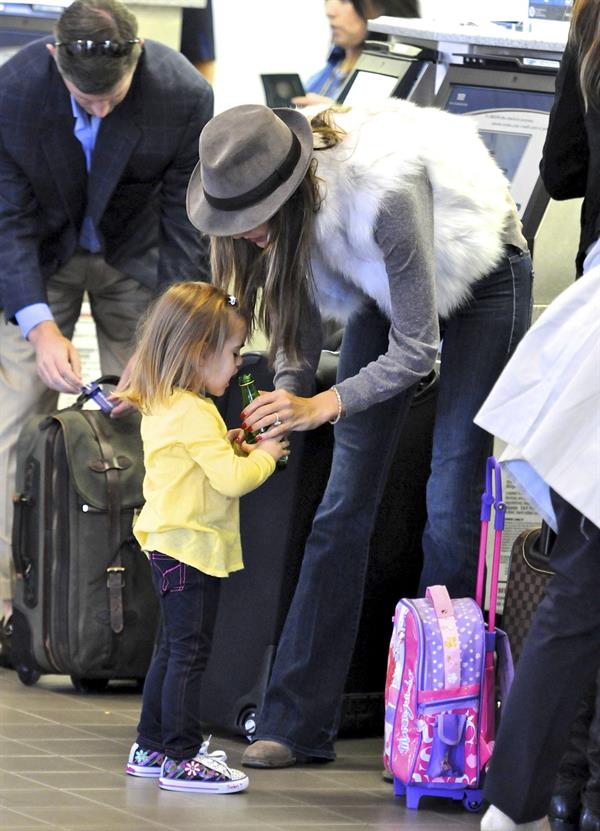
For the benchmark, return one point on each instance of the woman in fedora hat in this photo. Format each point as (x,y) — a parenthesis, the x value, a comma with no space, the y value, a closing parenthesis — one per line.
(387,220)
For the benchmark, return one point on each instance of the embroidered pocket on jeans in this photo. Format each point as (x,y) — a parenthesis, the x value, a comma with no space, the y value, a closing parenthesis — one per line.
(171,572)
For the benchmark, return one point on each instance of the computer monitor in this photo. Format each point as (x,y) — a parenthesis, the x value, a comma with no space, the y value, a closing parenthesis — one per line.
(511,109)
(20,23)
(550,9)
(380,73)
(281,88)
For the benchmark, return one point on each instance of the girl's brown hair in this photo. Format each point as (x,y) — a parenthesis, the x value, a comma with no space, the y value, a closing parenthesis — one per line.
(584,38)
(187,324)
(276,282)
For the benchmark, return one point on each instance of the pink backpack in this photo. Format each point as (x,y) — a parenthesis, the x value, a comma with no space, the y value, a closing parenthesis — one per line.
(443,665)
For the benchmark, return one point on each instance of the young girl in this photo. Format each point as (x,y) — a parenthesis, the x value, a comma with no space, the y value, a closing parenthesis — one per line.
(189,526)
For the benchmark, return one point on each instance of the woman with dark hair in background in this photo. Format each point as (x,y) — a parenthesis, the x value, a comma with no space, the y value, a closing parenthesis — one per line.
(348,21)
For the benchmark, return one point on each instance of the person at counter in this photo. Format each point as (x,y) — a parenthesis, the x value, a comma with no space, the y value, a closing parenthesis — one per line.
(385,220)
(98,138)
(570,169)
(545,407)
(348,20)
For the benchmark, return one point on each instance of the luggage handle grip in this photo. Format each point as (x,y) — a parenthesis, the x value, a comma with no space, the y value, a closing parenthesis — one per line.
(444,611)
(92,390)
(491,497)
(19,502)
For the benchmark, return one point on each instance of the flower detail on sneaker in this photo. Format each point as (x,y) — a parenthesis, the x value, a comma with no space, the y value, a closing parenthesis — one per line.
(142,757)
(194,768)
(144,762)
(202,774)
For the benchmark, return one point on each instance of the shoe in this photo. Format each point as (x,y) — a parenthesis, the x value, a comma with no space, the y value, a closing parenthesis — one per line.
(143,762)
(202,774)
(590,819)
(495,820)
(267,754)
(565,807)
(387,775)
(147,763)
(5,642)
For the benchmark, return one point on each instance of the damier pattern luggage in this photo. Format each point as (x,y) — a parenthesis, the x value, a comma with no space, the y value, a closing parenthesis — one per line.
(528,574)
(84,603)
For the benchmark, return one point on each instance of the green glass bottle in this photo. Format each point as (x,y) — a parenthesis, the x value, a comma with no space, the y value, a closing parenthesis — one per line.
(249,392)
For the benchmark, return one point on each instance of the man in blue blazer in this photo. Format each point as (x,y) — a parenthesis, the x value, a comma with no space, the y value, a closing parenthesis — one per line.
(98,138)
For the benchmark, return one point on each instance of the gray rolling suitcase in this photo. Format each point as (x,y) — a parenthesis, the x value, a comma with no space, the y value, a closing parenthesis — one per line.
(84,603)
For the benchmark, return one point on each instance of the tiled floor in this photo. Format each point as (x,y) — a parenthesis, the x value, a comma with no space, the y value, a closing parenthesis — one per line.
(62,756)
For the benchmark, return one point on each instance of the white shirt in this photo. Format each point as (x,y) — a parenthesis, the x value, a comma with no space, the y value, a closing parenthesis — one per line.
(546,404)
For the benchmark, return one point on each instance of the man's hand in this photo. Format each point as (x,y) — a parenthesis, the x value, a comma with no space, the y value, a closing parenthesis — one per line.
(57,361)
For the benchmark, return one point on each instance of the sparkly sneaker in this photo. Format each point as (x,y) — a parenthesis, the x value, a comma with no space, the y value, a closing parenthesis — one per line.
(202,774)
(147,763)
(143,762)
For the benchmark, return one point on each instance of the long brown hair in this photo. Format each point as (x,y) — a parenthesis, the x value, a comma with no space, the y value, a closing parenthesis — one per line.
(190,322)
(277,282)
(584,38)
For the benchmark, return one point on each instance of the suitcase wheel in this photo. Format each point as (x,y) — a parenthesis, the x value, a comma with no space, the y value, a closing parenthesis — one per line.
(246,722)
(28,676)
(89,685)
(471,804)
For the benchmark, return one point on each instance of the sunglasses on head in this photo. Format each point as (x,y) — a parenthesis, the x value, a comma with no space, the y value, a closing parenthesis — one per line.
(91,48)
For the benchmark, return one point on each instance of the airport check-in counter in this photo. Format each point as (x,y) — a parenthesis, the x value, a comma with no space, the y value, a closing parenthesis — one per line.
(505,80)
(21,23)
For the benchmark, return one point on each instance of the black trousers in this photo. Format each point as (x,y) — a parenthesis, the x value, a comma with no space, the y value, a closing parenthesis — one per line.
(560,657)
(580,765)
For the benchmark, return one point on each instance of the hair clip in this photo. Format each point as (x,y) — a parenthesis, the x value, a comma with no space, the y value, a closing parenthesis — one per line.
(231,300)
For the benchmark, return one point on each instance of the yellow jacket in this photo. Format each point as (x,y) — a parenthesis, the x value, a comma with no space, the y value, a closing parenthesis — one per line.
(193,482)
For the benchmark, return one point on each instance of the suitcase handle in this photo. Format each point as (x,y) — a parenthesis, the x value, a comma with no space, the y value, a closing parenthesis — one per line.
(444,611)
(490,498)
(87,394)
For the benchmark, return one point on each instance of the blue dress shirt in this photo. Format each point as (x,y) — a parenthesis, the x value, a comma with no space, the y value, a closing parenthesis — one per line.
(86,131)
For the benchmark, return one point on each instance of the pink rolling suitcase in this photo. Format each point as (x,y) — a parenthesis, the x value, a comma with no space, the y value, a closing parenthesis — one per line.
(445,667)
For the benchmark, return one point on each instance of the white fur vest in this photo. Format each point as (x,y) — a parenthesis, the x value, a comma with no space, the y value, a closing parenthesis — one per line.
(383,148)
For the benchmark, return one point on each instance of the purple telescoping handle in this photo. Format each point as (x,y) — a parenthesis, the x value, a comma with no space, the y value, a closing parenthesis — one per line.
(94,391)
(491,496)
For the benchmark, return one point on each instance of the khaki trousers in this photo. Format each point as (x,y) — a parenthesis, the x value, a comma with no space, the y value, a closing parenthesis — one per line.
(116,302)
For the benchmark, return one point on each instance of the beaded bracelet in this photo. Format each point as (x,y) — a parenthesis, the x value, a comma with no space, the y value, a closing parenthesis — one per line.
(339,403)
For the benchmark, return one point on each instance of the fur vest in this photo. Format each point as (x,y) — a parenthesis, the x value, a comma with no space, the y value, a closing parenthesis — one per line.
(385,147)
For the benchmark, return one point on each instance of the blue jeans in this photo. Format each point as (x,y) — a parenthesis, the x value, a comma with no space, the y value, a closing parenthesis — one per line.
(477,342)
(170,720)
(302,702)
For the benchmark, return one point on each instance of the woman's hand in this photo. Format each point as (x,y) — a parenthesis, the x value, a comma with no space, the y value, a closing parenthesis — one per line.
(282,412)
(311,98)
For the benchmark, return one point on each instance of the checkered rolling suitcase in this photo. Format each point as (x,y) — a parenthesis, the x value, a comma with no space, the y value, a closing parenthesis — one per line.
(528,574)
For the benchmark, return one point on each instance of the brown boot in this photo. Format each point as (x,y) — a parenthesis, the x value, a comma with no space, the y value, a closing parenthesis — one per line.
(266,754)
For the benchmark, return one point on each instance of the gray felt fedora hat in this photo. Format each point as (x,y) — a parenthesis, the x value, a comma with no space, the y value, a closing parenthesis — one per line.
(252,159)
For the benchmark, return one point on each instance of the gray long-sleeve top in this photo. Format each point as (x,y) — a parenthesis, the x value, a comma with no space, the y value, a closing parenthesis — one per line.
(404,233)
